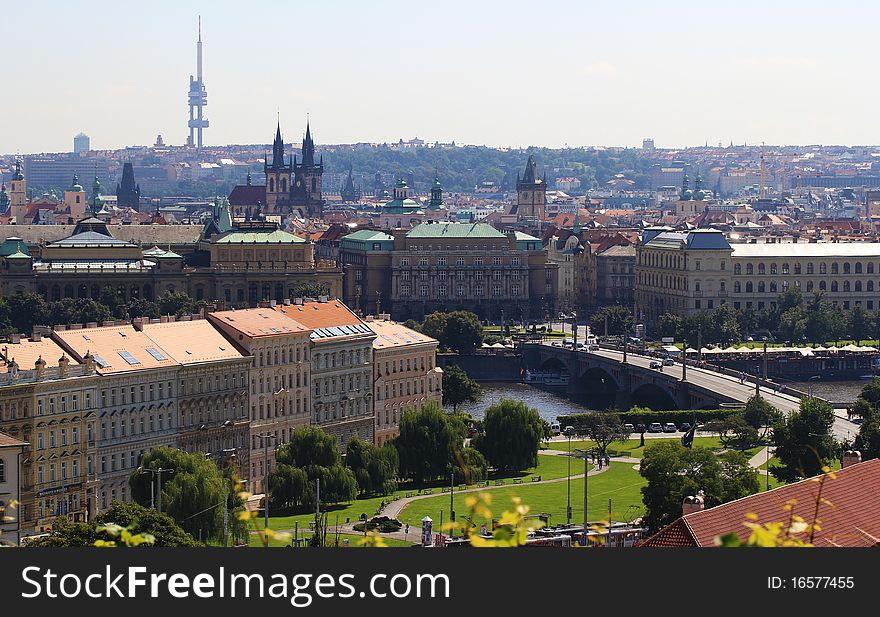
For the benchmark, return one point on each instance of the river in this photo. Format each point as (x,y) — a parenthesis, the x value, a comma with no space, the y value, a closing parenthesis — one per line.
(551,405)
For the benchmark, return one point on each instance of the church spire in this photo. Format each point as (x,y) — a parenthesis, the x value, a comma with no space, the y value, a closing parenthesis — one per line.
(308,148)
(278,148)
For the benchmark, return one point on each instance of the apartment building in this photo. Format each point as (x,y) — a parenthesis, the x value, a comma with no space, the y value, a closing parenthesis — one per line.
(405,374)
(341,367)
(11,451)
(212,393)
(279,380)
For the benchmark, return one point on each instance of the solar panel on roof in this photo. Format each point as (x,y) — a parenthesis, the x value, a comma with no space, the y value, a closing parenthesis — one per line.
(158,355)
(128,357)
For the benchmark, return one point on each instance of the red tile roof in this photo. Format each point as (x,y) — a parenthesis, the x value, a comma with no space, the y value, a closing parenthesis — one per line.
(248,195)
(852,519)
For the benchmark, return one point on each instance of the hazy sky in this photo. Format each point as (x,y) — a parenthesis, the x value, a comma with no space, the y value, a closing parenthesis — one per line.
(482,72)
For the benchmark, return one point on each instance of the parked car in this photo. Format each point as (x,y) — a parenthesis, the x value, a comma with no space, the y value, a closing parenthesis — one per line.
(555,429)
(593,347)
(685,427)
(668,362)
(669,427)
(656,364)
(655,427)
(629,428)
(640,428)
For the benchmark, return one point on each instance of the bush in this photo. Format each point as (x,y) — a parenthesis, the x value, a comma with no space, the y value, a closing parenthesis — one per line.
(382,524)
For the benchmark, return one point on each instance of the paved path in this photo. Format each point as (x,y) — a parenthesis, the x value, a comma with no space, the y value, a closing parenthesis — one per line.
(760,457)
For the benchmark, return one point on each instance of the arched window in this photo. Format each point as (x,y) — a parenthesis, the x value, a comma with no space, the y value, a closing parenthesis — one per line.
(858,267)
(810,268)
(870,285)
(736,287)
(835,269)
(870,267)
(773,269)
(846,286)
(772,286)
(858,286)
(846,268)
(785,268)
(761,269)
(749,287)
(833,285)
(797,268)
(821,285)
(271,185)
(809,285)
(761,287)
(823,268)
(750,269)
(737,269)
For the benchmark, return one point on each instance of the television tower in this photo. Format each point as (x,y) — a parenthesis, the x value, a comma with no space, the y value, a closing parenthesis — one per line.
(198,98)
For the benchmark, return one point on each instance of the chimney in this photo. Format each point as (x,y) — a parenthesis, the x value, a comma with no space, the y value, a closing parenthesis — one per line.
(63,365)
(692,503)
(851,457)
(92,324)
(59,328)
(286,301)
(89,360)
(264,304)
(15,339)
(37,334)
(40,367)
(138,323)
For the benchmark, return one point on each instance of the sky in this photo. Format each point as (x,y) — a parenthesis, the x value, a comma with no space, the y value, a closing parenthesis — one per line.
(501,73)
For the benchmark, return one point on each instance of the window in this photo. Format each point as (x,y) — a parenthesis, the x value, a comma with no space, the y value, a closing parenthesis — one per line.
(737,269)
(761,269)
(2,470)
(404,261)
(423,291)
(785,268)
(750,269)
(442,291)
(496,290)
(441,261)
(809,268)
(834,268)
(846,268)
(697,266)
(736,287)
(459,261)
(496,261)
(479,290)
(773,269)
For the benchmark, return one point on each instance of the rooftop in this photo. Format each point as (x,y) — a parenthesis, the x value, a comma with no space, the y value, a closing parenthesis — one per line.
(191,342)
(257,322)
(277,236)
(116,349)
(454,230)
(26,352)
(331,319)
(8,441)
(390,335)
(808,249)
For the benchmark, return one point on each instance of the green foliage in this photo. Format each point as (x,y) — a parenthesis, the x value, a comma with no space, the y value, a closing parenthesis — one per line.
(758,413)
(428,441)
(375,469)
(193,495)
(803,440)
(512,435)
(603,428)
(143,308)
(867,441)
(137,518)
(310,455)
(471,466)
(458,388)
(619,318)
(435,327)
(311,290)
(176,303)
(460,331)
(382,524)
(735,431)
(674,472)
(641,415)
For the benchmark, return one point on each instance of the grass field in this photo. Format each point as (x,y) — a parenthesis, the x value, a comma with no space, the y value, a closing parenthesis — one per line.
(621,483)
(353,539)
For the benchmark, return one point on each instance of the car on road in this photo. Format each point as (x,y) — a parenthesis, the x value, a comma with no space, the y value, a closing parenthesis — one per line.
(555,428)
(656,364)
(580,346)
(629,428)
(655,427)
(593,347)
(668,362)
(685,427)
(669,427)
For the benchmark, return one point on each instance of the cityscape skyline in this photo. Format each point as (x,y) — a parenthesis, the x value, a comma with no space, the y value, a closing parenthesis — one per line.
(471,87)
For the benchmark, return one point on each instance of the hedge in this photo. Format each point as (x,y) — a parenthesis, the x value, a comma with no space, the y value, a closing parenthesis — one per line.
(647,417)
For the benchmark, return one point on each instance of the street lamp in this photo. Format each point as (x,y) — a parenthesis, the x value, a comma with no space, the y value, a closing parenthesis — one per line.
(811,380)
(157,474)
(265,437)
(569,431)
(585,454)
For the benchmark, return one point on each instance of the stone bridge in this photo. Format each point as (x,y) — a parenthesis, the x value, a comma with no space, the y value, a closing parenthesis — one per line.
(603,378)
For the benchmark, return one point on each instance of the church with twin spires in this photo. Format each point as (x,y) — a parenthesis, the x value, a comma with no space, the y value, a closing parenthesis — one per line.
(292,186)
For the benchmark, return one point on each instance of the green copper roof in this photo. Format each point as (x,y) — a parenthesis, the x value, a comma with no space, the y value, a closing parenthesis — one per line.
(369,234)
(454,230)
(259,237)
(366,238)
(13,245)
(401,206)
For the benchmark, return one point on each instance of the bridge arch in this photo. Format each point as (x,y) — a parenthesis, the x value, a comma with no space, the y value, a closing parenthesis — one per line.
(598,387)
(653,397)
(554,365)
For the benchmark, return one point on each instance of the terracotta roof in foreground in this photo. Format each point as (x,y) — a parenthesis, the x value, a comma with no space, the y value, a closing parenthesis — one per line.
(852,519)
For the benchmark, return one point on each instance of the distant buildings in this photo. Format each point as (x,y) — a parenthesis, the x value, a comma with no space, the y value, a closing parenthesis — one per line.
(81,143)
(128,192)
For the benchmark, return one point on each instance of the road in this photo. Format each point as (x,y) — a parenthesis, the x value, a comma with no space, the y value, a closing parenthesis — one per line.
(730,386)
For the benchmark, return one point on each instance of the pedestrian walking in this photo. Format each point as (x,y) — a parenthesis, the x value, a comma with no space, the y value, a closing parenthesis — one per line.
(607,461)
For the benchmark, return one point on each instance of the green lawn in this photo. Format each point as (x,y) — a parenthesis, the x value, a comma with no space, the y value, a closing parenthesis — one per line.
(621,483)
(254,541)
(548,467)
(774,483)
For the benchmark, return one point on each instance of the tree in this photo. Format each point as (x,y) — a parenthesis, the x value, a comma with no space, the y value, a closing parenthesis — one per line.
(375,469)
(867,441)
(143,308)
(859,324)
(193,495)
(759,414)
(310,290)
(458,388)
(512,435)
(674,472)
(309,456)
(603,428)
(803,441)
(435,327)
(617,316)
(428,441)
(139,519)
(871,392)
(471,466)
(734,431)
(464,332)
(110,298)
(176,303)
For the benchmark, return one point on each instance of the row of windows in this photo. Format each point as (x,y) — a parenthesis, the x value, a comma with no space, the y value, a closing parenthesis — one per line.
(354,383)
(460,261)
(413,386)
(460,275)
(131,395)
(203,384)
(411,364)
(64,469)
(295,353)
(281,407)
(341,358)
(406,290)
(823,286)
(342,409)
(136,426)
(58,438)
(282,381)
(848,268)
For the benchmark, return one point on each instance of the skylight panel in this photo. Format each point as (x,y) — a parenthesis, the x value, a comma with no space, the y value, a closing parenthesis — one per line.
(128,357)
(158,355)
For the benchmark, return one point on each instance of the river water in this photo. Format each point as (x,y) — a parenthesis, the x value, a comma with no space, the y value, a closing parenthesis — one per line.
(551,405)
